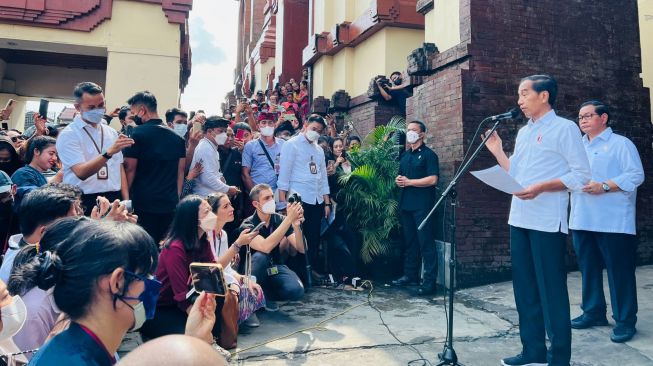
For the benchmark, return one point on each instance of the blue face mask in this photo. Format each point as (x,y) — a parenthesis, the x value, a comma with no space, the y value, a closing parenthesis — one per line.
(94,115)
(149,296)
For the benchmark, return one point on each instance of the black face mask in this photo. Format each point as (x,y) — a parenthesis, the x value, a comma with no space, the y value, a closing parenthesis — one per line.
(138,120)
(398,81)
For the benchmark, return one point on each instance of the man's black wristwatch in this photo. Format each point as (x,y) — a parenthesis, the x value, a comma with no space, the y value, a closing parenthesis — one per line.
(106,155)
(606,187)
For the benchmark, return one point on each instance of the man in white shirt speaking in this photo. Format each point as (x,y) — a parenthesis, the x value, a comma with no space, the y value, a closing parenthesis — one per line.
(91,151)
(549,159)
(603,223)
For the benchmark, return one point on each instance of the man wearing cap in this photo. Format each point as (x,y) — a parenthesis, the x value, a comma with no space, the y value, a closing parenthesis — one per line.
(261,156)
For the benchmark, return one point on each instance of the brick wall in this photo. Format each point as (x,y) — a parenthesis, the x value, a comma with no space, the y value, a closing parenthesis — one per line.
(366,114)
(591,55)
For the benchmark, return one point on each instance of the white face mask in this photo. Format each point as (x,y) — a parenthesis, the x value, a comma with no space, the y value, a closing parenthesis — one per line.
(209,222)
(180,129)
(312,136)
(221,139)
(269,207)
(94,115)
(139,316)
(267,131)
(412,137)
(13,318)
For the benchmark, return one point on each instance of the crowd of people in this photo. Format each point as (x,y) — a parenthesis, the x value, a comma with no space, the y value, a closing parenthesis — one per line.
(100,227)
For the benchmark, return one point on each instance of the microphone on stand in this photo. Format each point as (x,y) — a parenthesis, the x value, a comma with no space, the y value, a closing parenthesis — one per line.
(508,115)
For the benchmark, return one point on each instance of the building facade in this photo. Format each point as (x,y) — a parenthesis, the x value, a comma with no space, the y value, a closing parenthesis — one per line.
(48,46)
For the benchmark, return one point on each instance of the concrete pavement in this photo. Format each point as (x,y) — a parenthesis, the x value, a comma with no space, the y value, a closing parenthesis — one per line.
(485,329)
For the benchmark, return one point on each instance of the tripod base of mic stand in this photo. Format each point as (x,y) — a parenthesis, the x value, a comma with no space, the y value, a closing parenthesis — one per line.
(448,357)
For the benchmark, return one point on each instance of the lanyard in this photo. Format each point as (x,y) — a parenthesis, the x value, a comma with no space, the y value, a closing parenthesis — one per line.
(99,342)
(99,149)
(219,247)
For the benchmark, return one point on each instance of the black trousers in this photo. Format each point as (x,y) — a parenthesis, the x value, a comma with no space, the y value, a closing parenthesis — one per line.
(156,224)
(540,286)
(618,253)
(419,243)
(285,285)
(171,320)
(88,200)
(313,215)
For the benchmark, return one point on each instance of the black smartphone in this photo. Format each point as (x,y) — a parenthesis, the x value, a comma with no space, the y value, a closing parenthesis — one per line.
(5,126)
(43,108)
(208,277)
(258,227)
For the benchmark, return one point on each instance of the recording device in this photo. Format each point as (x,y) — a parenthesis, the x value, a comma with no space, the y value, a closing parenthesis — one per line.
(240,134)
(197,126)
(208,277)
(8,109)
(242,100)
(5,126)
(128,205)
(289,117)
(295,197)
(258,227)
(513,113)
(43,108)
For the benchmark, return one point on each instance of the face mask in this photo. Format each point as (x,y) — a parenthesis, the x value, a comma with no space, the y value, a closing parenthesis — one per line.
(412,137)
(312,136)
(180,129)
(13,318)
(220,139)
(209,222)
(267,131)
(269,207)
(138,120)
(146,308)
(398,81)
(94,115)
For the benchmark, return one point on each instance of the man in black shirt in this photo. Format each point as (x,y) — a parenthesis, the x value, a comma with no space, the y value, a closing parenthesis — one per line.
(397,91)
(154,166)
(279,236)
(418,176)
(231,166)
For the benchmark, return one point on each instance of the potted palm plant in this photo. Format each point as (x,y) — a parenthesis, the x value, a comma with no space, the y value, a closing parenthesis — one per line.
(370,195)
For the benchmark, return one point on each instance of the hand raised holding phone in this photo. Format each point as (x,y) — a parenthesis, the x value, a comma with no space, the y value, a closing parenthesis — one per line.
(246,236)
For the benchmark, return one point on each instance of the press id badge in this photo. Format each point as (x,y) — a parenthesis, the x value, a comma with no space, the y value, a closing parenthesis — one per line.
(274,270)
(103,173)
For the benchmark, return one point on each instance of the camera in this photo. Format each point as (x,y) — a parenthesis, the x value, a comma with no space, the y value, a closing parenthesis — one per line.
(294,198)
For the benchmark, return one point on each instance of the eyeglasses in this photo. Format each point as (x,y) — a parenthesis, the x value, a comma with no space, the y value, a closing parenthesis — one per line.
(16,138)
(586,116)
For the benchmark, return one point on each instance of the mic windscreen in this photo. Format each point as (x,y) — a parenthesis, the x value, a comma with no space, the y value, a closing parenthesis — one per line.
(514,112)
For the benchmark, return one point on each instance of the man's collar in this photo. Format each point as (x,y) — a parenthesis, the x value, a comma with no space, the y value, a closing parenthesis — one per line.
(604,135)
(546,118)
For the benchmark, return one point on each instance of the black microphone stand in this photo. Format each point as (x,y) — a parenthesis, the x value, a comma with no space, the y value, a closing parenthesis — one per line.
(448,355)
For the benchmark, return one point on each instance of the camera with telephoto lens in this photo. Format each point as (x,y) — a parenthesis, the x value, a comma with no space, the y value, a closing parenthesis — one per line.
(294,198)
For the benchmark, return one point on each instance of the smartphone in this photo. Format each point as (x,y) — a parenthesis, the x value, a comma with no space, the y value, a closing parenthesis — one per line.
(289,117)
(5,126)
(43,108)
(197,126)
(208,277)
(128,205)
(258,227)
(240,134)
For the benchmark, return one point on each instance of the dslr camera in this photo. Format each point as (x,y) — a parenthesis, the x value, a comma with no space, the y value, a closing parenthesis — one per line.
(294,198)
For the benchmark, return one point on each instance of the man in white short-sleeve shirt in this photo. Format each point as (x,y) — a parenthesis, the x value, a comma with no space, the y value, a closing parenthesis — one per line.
(90,151)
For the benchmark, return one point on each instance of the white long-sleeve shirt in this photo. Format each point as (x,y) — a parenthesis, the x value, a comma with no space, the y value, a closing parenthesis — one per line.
(210,180)
(612,157)
(546,149)
(295,174)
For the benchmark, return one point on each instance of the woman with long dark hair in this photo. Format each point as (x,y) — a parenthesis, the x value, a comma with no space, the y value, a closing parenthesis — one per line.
(42,313)
(101,275)
(250,293)
(186,243)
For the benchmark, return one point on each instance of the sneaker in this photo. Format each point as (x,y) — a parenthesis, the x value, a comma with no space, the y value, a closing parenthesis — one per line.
(622,333)
(585,321)
(271,306)
(252,321)
(521,360)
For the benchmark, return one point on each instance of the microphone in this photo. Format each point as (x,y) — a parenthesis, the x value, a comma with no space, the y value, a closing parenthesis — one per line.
(508,115)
